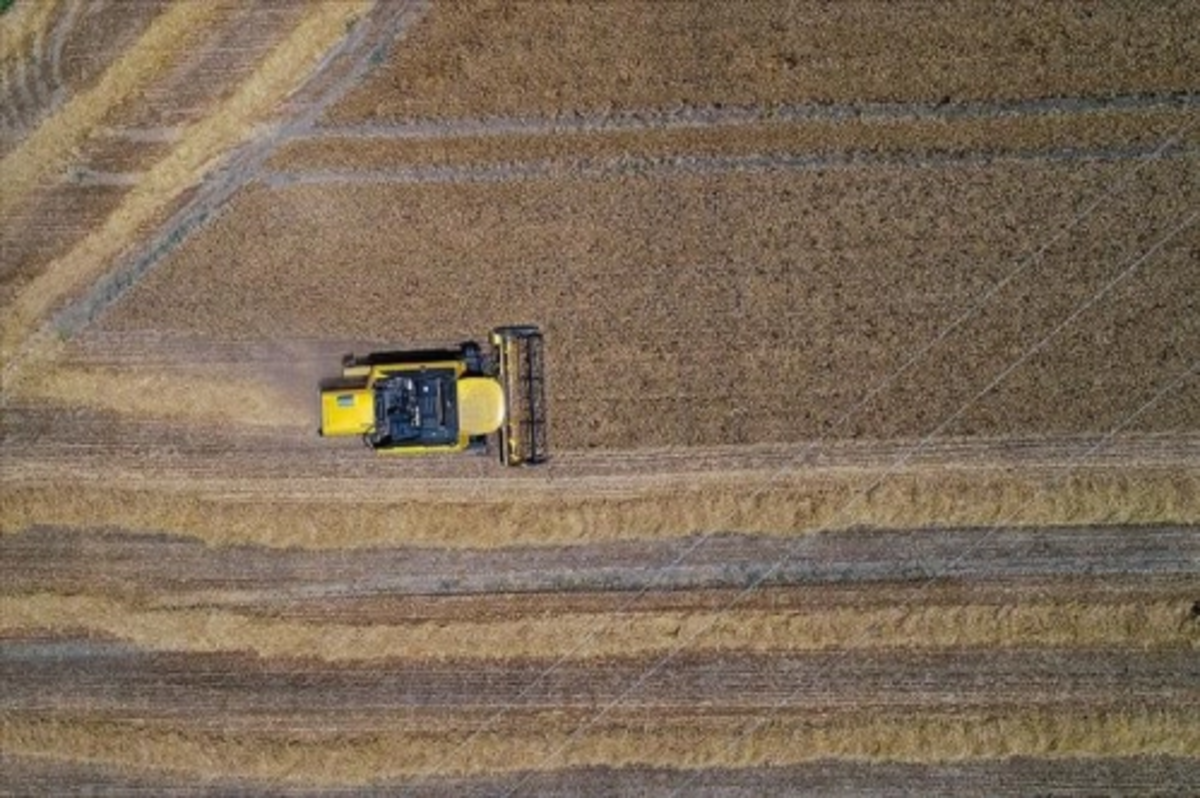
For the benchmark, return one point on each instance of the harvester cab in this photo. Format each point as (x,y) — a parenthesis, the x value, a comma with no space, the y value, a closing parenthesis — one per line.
(423,401)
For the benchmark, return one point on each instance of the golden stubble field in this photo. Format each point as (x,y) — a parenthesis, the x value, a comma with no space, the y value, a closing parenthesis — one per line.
(872,346)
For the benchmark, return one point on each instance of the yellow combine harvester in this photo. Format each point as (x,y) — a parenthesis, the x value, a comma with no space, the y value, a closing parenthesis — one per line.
(445,400)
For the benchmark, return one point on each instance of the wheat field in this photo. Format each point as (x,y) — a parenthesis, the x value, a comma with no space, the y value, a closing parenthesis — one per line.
(872,352)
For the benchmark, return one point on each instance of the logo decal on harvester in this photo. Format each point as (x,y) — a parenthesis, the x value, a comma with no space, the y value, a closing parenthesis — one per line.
(346,400)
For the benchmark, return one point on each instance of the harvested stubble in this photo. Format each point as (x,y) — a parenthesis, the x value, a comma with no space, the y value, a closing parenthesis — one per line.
(22,28)
(47,227)
(51,51)
(226,396)
(503,59)
(165,678)
(65,48)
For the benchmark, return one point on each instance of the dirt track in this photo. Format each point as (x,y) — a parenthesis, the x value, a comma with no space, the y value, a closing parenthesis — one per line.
(873,357)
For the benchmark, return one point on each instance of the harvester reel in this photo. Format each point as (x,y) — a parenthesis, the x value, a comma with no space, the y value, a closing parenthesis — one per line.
(518,357)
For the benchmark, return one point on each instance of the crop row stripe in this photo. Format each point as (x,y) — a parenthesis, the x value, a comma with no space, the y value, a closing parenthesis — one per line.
(1150,625)
(357,759)
(490,517)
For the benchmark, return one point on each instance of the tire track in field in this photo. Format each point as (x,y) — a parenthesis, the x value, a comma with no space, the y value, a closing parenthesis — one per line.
(26,334)
(694,164)
(58,43)
(51,89)
(25,94)
(822,137)
(50,145)
(721,116)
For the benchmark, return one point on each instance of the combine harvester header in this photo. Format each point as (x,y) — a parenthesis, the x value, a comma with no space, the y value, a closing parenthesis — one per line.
(423,401)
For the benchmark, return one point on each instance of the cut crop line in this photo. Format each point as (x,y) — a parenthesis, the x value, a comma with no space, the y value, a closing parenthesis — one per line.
(591,168)
(712,116)
(1167,389)
(164,625)
(1110,191)
(1126,272)
(281,758)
